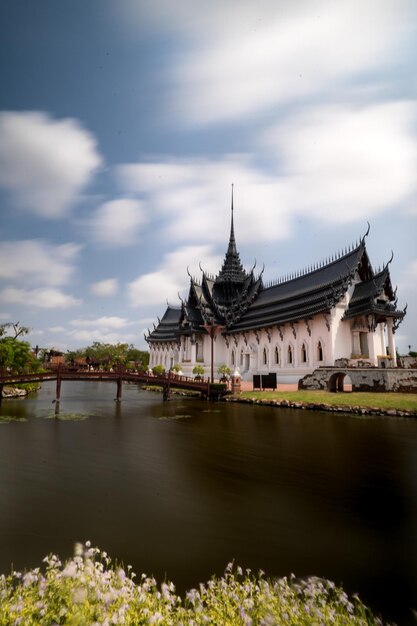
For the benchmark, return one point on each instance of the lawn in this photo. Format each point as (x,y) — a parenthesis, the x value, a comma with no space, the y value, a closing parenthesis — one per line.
(381,400)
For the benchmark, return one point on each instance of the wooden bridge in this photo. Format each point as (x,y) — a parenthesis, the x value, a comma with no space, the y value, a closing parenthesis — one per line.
(166,381)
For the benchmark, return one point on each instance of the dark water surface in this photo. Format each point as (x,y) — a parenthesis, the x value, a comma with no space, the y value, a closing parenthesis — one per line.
(183,487)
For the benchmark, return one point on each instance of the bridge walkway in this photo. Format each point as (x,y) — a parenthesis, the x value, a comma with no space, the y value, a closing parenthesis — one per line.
(166,381)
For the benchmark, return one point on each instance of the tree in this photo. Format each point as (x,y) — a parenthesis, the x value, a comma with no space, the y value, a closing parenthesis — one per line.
(223,370)
(18,330)
(198,371)
(17,356)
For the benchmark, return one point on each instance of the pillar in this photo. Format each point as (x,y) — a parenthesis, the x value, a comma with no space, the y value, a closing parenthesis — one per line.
(356,346)
(391,342)
(193,352)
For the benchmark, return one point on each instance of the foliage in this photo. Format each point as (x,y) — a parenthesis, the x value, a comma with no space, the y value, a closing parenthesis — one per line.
(158,370)
(109,355)
(17,331)
(198,370)
(412,353)
(17,356)
(139,357)
(218,387)
(90,589)
(223,370)
(72,355)
(176,368)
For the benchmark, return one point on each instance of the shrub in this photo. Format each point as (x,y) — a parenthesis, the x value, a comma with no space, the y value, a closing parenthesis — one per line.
(198,370)
(158,370)
(90,589)
(223,370)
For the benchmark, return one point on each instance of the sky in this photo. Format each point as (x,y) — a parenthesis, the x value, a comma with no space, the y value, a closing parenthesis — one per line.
(124,123)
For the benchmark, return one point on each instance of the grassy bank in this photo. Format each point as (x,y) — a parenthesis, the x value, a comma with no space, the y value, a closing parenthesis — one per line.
(382,401)
(89,589)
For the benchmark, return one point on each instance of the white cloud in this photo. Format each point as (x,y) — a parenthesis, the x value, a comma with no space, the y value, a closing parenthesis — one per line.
(89,335)
(344,162)
(36,260)
(43,298)
(117,222)
(101,322)
(239,60)
(171,278)
(45,163)
(57,329)
(107,287)
(193,197)
(339,163)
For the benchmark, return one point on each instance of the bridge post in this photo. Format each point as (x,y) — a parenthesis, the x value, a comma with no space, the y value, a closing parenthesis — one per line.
(167,387)
(58,383)
(119,385)
(1,391)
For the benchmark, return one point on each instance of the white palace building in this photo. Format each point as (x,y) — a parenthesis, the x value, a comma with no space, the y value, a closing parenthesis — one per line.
(339,309)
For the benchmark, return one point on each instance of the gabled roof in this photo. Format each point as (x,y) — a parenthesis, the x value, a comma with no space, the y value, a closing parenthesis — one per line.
(168,326)
(374,296)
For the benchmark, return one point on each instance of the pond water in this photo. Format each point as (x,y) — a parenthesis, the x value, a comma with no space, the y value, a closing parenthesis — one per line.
(180,488)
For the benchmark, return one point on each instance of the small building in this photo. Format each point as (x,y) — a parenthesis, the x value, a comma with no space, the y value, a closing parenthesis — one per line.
(337,309)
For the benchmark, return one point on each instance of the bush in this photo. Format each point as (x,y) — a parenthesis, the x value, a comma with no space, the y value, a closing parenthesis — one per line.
(89,589)
(158,370)
(223,370)
(198,370)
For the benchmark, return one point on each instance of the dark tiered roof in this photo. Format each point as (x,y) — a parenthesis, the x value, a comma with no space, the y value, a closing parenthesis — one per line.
(240,302)
(376,297)
(168,326)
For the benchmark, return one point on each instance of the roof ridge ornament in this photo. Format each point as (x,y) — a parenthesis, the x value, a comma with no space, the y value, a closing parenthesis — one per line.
(390,261)
(366,234)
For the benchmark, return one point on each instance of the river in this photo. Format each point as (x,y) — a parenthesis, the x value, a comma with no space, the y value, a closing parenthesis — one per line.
(180,488)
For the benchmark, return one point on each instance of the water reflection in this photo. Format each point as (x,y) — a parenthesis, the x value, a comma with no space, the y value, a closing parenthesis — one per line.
(183,487)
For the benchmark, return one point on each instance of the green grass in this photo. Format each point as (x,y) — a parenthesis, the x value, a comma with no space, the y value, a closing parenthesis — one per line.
(385,401)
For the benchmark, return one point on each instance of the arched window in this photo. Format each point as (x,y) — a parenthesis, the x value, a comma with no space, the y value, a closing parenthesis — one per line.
(276,355)
(319,351)
(289,355)
(233,358)
(303,353)
(241,357)
(265,356)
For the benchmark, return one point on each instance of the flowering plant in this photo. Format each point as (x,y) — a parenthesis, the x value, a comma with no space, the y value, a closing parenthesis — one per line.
(90,589)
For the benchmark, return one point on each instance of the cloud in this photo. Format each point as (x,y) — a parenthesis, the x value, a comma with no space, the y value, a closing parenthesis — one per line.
(101,322)
(171,278)
(36,260)
(88,336)
(344,162)
(43,298)
(339,163)
(193,198)
(107,287)
(117,222)
(45,163)
(237,60)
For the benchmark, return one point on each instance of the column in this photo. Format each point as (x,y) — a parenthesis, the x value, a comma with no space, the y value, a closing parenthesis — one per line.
(356,347)
(193,352)
(391,342)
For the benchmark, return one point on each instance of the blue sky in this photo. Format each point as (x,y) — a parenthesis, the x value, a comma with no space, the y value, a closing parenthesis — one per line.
(123,124)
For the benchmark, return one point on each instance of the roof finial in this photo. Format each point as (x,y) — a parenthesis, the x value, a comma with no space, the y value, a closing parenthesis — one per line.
(366,234)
